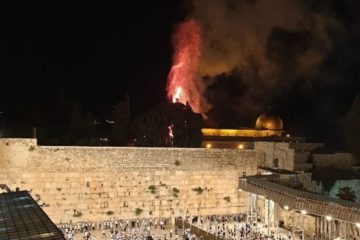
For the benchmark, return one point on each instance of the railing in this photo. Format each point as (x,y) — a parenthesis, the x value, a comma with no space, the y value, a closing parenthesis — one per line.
(181,223)
(313,203)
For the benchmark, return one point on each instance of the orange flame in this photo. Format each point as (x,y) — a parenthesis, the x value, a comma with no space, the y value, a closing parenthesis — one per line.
(181,80)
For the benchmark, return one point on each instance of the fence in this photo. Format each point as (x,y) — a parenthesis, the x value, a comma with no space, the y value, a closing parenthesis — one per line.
(313,203)
(180,223)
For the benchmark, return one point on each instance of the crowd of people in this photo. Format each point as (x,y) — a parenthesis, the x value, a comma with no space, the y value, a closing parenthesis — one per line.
(229,227)
(235,227)
(117,229)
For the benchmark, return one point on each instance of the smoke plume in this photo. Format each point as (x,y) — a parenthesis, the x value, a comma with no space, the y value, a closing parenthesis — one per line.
(255,51)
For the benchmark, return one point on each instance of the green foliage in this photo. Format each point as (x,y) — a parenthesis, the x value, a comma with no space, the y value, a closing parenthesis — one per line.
(345,193)
(175,192)
(329,175)
(138,211)
(77,213)
(152,128)
(198,190)
(59,189)
(227,199)
(31,148)
(177,163)
(109,213)
(152,189)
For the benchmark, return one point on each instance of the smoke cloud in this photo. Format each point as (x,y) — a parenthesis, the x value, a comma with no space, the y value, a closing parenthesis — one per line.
(254,52)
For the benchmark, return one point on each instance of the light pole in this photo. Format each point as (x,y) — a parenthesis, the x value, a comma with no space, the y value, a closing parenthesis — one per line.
(303,214)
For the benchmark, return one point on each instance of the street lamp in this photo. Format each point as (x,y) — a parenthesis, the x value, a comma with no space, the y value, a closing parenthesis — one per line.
(286,207)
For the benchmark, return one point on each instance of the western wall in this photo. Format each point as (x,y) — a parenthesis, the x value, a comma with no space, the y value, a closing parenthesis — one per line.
(96,183)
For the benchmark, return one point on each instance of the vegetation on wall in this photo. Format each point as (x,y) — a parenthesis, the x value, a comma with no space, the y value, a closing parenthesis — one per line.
(109,213)
(138,211)
(175,192)
(152,189)
(227,199)
(77,213)
(198,190)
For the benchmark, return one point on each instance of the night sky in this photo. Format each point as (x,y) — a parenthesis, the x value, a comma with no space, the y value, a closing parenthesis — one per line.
(93,54)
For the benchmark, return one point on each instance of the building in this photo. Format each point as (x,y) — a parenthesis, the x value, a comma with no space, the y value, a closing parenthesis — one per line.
(22,218)
(267,127)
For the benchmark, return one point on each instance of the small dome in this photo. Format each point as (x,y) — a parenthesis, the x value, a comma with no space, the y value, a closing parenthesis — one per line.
(269,122)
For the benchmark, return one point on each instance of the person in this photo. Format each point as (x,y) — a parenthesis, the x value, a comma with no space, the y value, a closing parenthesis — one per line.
(170,233)
(104,234)
(161,224)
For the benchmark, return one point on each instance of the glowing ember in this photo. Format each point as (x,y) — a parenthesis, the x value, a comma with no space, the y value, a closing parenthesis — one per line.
(181,84)
(171,133)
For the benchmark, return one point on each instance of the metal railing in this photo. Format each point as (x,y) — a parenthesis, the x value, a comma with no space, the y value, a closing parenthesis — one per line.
(181,223)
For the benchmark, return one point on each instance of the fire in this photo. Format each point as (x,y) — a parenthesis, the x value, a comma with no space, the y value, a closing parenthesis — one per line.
(177,96)
(181,79)
(171,134)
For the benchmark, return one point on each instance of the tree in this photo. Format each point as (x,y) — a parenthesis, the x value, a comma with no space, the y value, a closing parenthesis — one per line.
(82,130)
(352,127)
(120,128)
(345,193)
(154,128)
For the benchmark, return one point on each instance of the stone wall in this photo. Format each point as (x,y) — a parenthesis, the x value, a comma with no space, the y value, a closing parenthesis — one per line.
(97,183)
(339,160)
(276,150)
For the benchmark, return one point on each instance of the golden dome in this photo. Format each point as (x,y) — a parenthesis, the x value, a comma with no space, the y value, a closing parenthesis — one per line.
(269,122)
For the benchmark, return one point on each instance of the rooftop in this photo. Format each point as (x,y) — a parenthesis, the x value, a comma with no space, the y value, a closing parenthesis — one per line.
(22,218)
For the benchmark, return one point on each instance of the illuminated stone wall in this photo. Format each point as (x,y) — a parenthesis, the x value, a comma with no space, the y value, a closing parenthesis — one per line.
(276,150)
(103,182)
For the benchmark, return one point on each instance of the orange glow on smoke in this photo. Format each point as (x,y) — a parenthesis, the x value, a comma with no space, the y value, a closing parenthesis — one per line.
(181,79)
